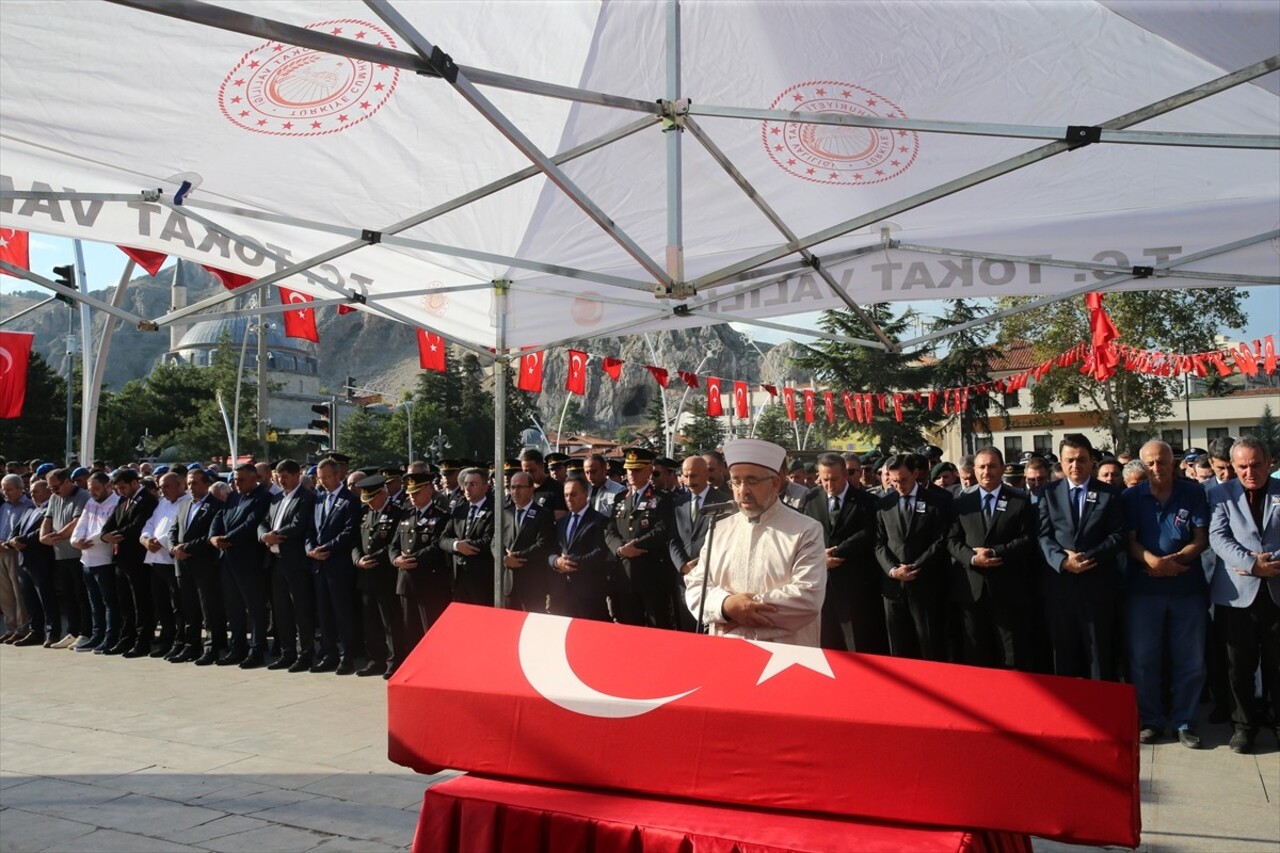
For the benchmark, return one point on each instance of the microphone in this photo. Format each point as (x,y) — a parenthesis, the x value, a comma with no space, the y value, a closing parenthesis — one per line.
(723,508)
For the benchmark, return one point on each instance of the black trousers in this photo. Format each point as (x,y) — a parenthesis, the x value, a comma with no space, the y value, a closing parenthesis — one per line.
(294,605)
(916,625)
(1082,626)
(36,585)
(853,613)
(200,587)
(166,601)
(245,591)
(1252,636)
(997,633)
(426,596)
(138,621)
(73,598)
(382,620)
(335,590)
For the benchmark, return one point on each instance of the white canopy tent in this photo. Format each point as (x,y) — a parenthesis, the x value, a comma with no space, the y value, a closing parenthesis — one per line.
(593,168)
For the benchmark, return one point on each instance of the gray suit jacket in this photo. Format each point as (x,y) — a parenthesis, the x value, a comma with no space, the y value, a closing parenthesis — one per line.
(1235,538)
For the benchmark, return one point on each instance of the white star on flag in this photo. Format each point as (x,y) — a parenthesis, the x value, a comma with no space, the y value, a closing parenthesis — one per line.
(783,656)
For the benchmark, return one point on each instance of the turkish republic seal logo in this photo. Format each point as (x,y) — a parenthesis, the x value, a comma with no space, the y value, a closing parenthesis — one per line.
(833,154)
(283,90)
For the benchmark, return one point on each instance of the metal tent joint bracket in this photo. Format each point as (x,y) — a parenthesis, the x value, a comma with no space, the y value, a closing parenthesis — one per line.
(502,286)
(677,290)
(1143,272)
(673,113)
(358,298)
(682,311)
(440,64)
(151,195)
(1079,135)
(370,236)
(148,326)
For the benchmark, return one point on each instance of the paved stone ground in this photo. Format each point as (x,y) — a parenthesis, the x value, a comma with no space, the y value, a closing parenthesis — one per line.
(105,754)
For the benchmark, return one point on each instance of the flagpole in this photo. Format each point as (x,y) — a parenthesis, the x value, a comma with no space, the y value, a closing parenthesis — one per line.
(86,361)
(500,365)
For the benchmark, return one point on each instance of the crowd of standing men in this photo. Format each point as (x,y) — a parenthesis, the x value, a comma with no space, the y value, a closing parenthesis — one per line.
(1044,565)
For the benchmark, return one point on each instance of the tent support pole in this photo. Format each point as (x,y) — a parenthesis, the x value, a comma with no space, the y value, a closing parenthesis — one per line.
(464,87)
(89,424)
(78,296)
(501,363)
(809,258)
(1095,286)
(43,302)
(1004,167)
(674,130)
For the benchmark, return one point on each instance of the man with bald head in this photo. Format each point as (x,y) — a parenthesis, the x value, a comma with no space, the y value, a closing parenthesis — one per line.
(766,568)
(1167,595)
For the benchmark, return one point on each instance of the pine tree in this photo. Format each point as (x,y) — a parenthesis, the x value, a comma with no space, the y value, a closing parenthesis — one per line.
(849,367)
(1267,431)
(967,363)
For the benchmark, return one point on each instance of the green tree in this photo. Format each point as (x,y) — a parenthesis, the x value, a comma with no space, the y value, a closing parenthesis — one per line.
(1267,431)
(37,433)
(967,362)
(368,437)
(849,367)
(772,425)
(702,432)
(1128,405)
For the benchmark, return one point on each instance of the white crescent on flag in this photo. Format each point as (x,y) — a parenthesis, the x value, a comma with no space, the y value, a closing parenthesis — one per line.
(295,296)
(545,663)
(8,360)
(576,362)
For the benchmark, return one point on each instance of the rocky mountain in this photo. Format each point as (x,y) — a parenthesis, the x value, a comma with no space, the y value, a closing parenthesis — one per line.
(381,354)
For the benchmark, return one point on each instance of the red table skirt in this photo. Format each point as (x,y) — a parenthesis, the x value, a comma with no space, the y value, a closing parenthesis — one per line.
(472,813)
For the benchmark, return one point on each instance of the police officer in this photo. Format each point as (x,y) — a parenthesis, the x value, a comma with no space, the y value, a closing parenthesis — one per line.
(645,592)
(424,576)
(376,579)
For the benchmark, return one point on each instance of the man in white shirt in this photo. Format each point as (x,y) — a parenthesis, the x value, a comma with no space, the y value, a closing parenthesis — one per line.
(98,559)
(164,579)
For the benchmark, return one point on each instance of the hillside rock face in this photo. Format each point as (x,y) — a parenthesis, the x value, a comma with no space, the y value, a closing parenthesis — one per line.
(382,355)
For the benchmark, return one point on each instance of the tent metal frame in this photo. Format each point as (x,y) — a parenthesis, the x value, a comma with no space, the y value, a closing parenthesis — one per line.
(675,114)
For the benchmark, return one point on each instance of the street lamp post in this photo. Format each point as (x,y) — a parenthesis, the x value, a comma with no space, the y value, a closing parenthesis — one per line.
(408,411)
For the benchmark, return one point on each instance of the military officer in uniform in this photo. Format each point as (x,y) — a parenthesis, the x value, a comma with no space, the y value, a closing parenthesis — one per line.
(424,573)
(646,590)
(376,579)
(557,467)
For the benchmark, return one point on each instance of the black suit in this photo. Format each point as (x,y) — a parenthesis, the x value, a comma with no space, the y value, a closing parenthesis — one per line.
(424,591)
(1083,606)
(334,528)
(473,575)
(245,581)
(199,588)
(581,593)
(37,568)
(686,534)
(530,535)
(138,623)
(648,590)
(293,594)
(997,602)
(853,610)
(915,611)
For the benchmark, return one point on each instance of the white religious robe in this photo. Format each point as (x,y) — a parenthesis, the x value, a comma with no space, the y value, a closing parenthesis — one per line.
(780,560)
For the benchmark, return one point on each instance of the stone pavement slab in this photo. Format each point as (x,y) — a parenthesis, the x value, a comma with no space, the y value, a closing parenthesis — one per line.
(106,754)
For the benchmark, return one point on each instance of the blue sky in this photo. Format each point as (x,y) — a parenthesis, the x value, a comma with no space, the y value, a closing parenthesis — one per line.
(104,264)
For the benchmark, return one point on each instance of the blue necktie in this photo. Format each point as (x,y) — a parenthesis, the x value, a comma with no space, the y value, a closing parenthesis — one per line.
(1075,505)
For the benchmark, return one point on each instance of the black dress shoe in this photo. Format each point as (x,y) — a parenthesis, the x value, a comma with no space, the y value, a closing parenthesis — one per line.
(390,672)
(186,655)
(120,648)
(325,664)
(302,664)
(372,668)
(346,666)
(48,644)
(139,652)
(232,658)
(160,651)
(30,640)
(1188,738)
(176,650)
(1241,742)
(1149,734)
(208,658)
(253,661)
(283,662)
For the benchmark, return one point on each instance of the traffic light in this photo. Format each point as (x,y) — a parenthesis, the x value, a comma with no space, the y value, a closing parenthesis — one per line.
(66,276)
(323,424)
(351,387)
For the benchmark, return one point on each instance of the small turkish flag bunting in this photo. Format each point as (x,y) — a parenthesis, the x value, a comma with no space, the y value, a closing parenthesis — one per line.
(302,322)
(229,280)
(659,374)
(145,258)
(576,382)
(740,406)
(531,372)
(808,405)
(690,379)
(714,407)
(15,247)
(15,353)
(771,390)
(789,400)
(613,367)
(828,399)
(431,351)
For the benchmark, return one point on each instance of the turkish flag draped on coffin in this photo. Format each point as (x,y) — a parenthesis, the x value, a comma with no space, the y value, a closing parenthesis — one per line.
(301,323)
(548,699)
(15,354)
(431,351)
